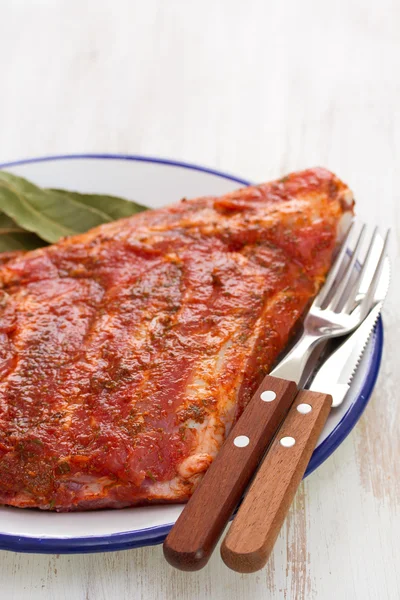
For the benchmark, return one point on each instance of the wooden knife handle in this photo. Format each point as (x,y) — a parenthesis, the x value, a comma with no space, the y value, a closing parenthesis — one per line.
(192,539)
(256,526)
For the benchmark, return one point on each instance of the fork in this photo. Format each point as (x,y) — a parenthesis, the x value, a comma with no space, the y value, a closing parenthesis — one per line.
(337,310)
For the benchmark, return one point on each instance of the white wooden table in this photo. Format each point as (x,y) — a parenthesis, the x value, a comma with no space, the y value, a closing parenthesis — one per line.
(256,88)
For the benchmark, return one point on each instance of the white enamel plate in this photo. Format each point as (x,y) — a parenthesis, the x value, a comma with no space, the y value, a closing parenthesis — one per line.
(152,182)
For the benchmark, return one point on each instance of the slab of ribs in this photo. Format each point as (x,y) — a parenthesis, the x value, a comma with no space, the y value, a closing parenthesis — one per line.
(126,353)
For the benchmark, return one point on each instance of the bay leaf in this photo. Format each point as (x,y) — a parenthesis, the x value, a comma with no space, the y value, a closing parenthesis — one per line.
(53,214)
(112,206)
(13,237)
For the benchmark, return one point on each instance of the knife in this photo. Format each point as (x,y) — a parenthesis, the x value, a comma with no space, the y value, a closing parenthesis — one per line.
(252,535)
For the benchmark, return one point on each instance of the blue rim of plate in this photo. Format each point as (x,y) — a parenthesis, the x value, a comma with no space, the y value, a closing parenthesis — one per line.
(156,535)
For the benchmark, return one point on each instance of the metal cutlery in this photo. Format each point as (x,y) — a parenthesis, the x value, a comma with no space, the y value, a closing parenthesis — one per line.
(337,310)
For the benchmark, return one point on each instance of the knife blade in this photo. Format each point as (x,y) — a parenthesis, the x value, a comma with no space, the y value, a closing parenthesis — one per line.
(251,537)
(335,375)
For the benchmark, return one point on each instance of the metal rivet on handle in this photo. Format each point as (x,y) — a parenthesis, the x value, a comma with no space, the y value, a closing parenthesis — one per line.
(241,441)
(287,442)
(268,396)
(304,408)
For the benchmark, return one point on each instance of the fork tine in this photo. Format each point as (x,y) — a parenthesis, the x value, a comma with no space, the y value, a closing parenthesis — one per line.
(333,304)
(334,270)
(368,300)
(366,273)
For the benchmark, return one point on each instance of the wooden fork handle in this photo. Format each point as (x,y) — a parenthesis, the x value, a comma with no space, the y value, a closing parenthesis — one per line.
(192,539)
(256,526)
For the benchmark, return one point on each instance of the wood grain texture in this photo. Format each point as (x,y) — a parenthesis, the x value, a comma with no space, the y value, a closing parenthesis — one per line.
(257,89)
(252,535)
(192,540)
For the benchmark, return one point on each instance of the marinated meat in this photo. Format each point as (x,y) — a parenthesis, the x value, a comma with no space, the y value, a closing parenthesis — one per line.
(127,352)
